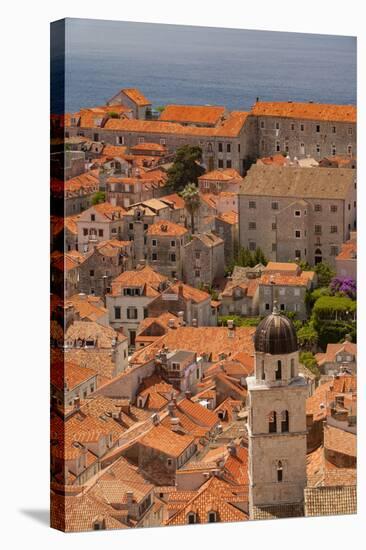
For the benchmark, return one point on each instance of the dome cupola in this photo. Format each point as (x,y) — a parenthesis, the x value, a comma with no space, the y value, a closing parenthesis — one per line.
(275,334)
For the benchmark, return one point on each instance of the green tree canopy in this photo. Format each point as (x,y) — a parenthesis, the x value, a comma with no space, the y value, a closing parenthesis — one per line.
(308,360)
(98,197)
(191,197)
(325,273)
(186,167)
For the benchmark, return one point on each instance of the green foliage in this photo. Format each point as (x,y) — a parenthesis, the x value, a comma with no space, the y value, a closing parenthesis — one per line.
(307,336)
(333,318)
(191,197)
(239,321)
(304,266)
(308,360)
(213,293)
(334,307)
(312,295)
(186,167)
(243,257)
(98,197)
(113,114)
(160,108)
(325,273)
(259,257)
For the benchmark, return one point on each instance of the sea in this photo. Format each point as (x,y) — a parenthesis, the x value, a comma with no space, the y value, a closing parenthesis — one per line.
(199,65)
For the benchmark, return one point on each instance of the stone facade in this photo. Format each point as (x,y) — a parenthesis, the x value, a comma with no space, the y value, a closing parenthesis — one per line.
(286,220)
(99,223)
(165,242)
(203,259)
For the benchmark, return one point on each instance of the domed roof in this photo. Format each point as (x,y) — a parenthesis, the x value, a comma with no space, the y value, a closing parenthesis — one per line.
(275,334)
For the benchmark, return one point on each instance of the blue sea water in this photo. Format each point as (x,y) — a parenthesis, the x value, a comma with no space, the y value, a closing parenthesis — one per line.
(197,65)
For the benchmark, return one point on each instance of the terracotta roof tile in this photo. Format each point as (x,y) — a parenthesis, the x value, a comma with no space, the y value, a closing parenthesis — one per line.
(146,277)
(226,174)
(166,227)
(310,111)
(199,114)
(166,441)
(135,95)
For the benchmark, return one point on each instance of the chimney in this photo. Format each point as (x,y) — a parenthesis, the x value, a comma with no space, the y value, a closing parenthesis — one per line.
(82,296)
(231,448)
(129,496)
(230,324)
(180,317)
(155,419)
(194,322)
(180,290)
(171,323)
(188,394)
(171,408)
(174,424)
(77,403)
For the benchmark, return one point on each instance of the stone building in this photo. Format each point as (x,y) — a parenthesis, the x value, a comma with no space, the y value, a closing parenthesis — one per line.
(346,261)
(287,284)
(103,264)
(64,233)
(220,180)
(70,382)
(297,213)
(133,99)
(131,293)
(79,192)
(193,306)
(338,358)
(165,242)
(204,259)
(227,227)
(237,296)
(302,129)
(277,420)
(101,222)
(182,369)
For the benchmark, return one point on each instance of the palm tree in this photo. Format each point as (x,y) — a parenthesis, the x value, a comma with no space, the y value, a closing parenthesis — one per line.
(191,197)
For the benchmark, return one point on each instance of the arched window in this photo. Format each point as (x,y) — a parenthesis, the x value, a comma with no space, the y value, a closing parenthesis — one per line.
(212,517)
(209,147)
(279,370)
(284,422)
(272,422)
(279,471)
(263,373)
(292,368)
(192,518)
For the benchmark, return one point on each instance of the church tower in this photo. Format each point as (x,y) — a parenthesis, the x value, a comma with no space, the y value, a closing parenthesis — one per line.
(277,420)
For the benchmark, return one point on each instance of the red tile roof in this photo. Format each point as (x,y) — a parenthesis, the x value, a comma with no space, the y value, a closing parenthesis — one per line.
(197,114)
(166,228)
(310,111)
(166,441)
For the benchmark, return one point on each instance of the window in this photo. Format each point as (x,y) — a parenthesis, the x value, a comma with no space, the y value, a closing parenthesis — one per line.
(263,376)
(100,232)
(296,292)
(279,368)
(267,307)
(212,517)
(334,129)
(272,422)
(302,128)
(297,254)
(172,257)
(153,242)
(317,128)
(298,234)
(197,273)
(228,164)
(277,125)
(334,250)
(318,148)
(140,140)
(228,148)
(131,313)
(349,150)
(154,256)
(197,254)
(274,226)
(334,229)
(318,230)
(274,205)
(252,225)
(220,147)
(162,142)
(278,146)
(262,124)
(284,422)
(274,247)
(317,207)
(209,148)
(279,471)
(252,245)
(92,217)
(192,518)
(350,131)
(252,204)
(91,273)
(85,231)
(292,126)
(333,208)
(334,150)
(302,148)
(282,307)
(120,140)
(96,137)
(117,312)
(263,144)
(172,244)
(220,163)
(286,147)
(169,461)
(292,368)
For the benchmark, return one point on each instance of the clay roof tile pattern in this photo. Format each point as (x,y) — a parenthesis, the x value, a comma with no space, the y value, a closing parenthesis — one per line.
(306,111)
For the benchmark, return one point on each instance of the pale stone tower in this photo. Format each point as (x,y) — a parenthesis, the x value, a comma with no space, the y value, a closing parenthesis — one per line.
(277,419)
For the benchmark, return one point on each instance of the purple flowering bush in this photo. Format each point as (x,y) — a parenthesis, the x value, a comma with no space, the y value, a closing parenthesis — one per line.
(345,286)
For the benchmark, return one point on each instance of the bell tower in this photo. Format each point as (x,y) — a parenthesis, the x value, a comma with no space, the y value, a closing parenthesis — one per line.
(277,418)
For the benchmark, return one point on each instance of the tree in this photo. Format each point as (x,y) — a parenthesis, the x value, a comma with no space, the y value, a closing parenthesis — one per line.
(345,286)
(191,197)
(325,273)
(186,167)
(259,257)
(308,360)
(98,197)
(307,336)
